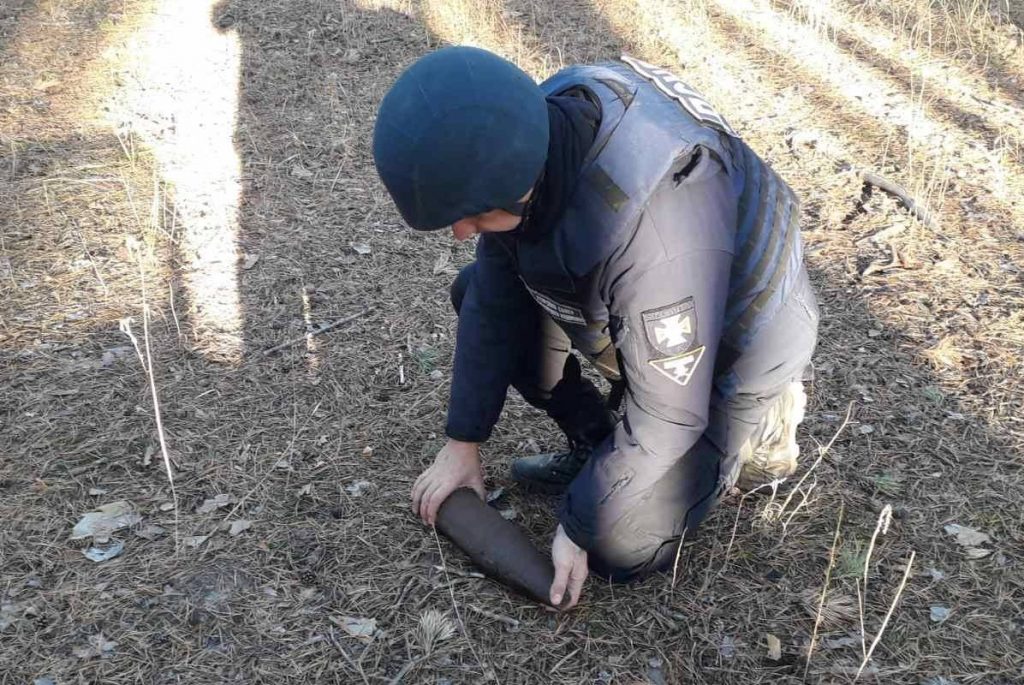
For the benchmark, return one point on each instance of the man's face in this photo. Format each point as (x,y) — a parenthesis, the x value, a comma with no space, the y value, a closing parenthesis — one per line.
(494,221)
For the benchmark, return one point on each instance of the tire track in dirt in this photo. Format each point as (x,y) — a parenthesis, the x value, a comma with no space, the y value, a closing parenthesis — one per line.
(802,51)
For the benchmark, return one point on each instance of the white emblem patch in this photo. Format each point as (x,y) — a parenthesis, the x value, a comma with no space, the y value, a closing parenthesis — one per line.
(692,101)
(672,329)
(679,369)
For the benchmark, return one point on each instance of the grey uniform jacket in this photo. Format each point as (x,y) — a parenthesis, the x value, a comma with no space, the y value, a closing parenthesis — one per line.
(678,244)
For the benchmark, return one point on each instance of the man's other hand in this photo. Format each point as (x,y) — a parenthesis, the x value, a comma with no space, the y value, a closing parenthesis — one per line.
(456,466)
(570,569)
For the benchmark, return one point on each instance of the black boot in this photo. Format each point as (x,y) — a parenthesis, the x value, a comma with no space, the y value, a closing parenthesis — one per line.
(579,410)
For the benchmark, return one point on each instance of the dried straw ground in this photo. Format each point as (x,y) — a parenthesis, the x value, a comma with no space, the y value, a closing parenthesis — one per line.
(210,163)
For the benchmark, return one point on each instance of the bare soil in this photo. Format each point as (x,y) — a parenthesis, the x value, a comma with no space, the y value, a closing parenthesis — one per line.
(204,170)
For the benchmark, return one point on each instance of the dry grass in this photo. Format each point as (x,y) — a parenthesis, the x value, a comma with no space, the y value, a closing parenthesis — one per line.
(252,192)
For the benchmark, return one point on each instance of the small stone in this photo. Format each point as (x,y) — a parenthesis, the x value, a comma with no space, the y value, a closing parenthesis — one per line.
(939,613)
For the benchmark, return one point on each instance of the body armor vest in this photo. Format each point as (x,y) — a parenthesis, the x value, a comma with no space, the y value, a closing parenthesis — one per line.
(651,123)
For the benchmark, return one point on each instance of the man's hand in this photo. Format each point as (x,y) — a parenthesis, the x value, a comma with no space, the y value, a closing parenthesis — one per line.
(570,569)
(457,465)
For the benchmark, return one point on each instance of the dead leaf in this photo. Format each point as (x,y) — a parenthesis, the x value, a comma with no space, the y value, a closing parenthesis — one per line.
(96,492)
(214,503)
(839,642)
(774,647)
(97,646)
(966,537)
(299,171)
(306,489)
(112,355)
(358,488)
(361,628)
(195,540)
(360,248)
(151,532)
(239,526)
(99,554)
(249,261)
(441,263)
(166,506)
(727,647)
(939,613)
(945,354)
(367,451)
(977,552)
(101,523)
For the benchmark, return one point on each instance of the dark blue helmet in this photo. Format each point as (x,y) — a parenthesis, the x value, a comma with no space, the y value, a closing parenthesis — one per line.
(462,131)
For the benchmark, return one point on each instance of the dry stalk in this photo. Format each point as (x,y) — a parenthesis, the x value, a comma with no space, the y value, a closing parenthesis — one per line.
(824,589)
(88,254)
(500,618)
(860,612)
(455,605)
(803,503)
(147,365)
(888,615)
(675,564)
(317,331)
(821,455)
(884,519)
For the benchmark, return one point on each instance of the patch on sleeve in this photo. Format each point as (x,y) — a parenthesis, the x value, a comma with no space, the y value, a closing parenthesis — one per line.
(679,369)
(673,329)
(557,310)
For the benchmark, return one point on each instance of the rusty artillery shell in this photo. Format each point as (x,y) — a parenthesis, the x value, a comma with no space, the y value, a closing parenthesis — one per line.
(498,547)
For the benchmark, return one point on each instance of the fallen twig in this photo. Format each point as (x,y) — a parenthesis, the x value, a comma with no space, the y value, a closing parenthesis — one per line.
(351,662)
(323,328)
(458,572)
(899,192)
(405,670)
(507,620)
(824,591)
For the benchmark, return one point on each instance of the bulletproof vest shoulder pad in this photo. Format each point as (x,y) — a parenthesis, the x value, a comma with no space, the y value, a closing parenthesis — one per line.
(651,123)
